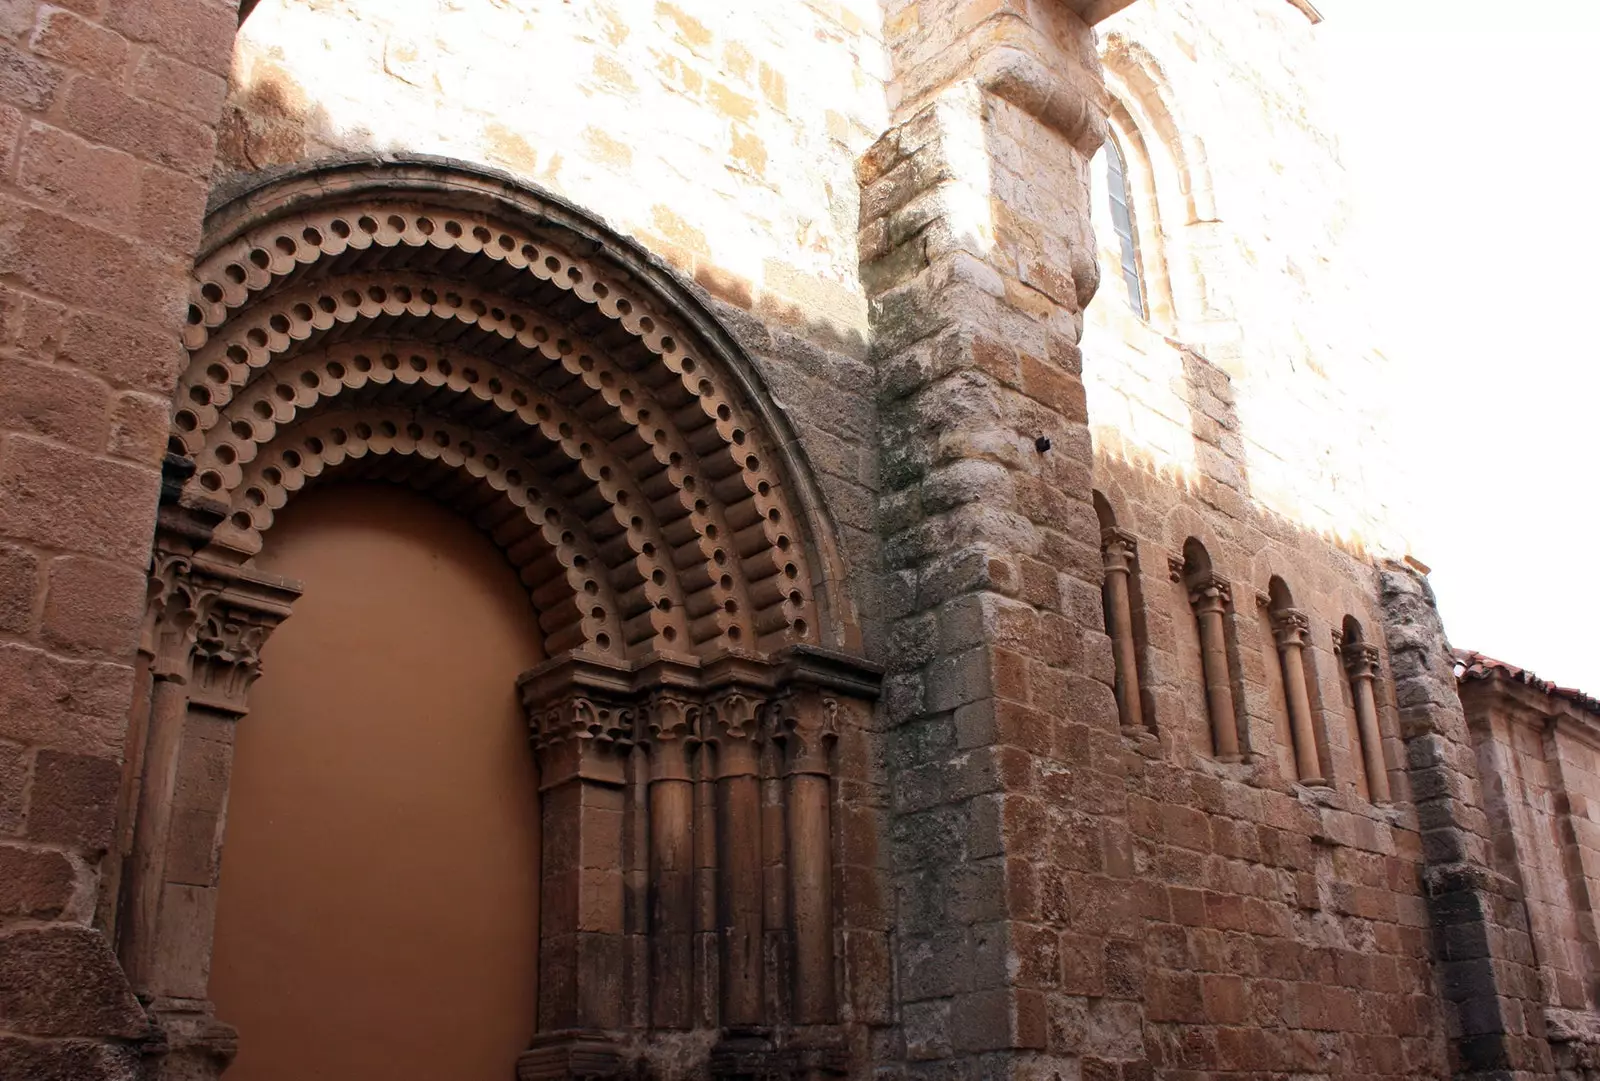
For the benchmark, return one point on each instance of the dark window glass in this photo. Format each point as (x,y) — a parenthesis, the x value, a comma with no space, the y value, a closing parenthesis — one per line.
(1122,222)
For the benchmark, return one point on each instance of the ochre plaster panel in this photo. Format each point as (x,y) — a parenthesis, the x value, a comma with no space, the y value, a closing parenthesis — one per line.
(379,906)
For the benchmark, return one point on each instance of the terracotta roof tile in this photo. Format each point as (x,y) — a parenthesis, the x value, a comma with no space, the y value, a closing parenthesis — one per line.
(1470,665)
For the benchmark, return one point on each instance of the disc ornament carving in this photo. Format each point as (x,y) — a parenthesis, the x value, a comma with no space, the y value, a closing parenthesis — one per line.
(397,334)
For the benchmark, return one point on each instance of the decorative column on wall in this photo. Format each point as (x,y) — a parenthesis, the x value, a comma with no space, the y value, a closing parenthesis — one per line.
(807,725)
(736,722)
(1210,595)
(1291,629)
(1117,551)
(206,623)
(1361,666)
(671,726)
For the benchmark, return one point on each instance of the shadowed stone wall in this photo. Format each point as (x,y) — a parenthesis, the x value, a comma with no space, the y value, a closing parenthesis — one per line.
(108,112)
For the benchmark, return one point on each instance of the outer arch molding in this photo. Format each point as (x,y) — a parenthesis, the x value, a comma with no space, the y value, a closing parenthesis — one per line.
(295,196)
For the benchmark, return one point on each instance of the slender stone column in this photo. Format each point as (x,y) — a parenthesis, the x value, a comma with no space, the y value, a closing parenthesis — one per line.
(807,720)
(1117,551)
(670,727)
(1209,595)
(736,724)
(1361,664)
(1291,628)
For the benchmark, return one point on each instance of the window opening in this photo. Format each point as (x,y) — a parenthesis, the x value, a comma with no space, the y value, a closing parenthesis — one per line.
(1122,222)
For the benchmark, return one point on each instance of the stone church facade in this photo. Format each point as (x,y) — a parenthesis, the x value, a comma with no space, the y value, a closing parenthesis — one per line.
(676,539)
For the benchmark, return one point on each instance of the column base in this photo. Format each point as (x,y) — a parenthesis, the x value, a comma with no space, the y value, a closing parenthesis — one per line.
(750,1054)
(574,1055)
(193,1045)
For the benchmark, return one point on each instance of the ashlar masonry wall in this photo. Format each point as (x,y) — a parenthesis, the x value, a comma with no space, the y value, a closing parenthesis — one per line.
(1538,751)
(107,135)
(1244,221)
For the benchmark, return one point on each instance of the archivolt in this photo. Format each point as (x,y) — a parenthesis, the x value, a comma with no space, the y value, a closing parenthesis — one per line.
(439,328)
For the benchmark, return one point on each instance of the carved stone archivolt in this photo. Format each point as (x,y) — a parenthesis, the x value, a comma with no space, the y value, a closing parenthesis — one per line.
(549,394)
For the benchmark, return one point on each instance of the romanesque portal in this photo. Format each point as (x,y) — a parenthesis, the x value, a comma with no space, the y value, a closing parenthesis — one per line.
(687,684)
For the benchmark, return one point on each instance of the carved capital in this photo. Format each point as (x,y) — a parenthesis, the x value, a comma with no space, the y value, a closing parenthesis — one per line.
(669,724)
(577,718)
(206,623)
(806,722)
(178,600)
(1209,592)
(1360,659)
(227,657)
(1291,627)
(1118,549)
(736,715)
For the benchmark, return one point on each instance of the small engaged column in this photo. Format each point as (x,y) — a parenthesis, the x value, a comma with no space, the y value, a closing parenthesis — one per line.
(736,724)
(670,728)
(1117,552)
(1361,664)
(809,728)
(1209,596)
(1290,628)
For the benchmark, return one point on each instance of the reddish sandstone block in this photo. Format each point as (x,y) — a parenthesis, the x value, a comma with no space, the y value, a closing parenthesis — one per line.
(53,402)
(13,785)
(48,701)
(34,883)
(93,606)
(1185,827)
(87,267)
(122,352)
(74,800)
(198,31)
(139,427)
(166,81)
(101,111)
(65,981)
(60,169)
(68,1060)
(27,80)
(62,498)
(81,44)
(19,588)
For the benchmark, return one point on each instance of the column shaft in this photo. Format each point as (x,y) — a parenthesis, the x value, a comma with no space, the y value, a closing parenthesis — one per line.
(811,896)
(671,886)
(1371,740)
(1118,555)
(1219,681)
(1361,664)
(1299,700)
(739,895)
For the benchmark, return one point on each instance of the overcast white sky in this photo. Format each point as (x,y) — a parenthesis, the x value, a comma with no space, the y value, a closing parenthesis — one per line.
(1473,141)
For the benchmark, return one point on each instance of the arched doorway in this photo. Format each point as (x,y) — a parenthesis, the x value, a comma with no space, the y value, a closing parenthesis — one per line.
(561,399)
(378,910)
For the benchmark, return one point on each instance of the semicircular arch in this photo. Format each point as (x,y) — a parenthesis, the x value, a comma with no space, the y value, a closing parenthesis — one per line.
(501,335)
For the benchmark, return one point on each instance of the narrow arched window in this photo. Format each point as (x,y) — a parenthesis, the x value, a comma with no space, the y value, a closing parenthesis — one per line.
(1123,221)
